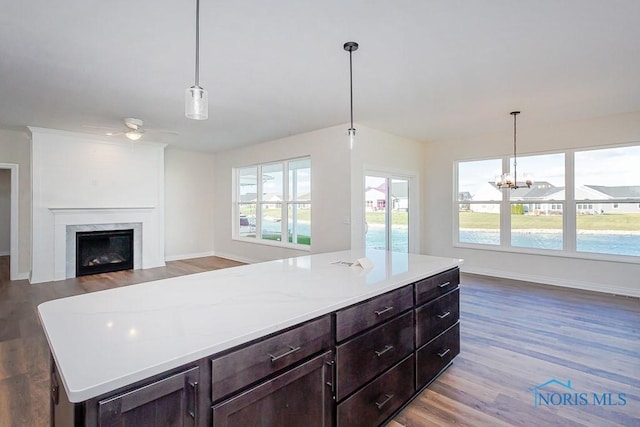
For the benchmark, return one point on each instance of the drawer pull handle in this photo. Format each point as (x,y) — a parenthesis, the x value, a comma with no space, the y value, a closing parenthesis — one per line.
(384,350)
(444,353)
(193,411)
(444,285)
(291,351)
(383,311)
(55,391)
(388,397)
(443,315)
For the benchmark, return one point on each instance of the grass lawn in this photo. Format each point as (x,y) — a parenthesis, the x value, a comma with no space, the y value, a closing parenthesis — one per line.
(585,222)
(397,218)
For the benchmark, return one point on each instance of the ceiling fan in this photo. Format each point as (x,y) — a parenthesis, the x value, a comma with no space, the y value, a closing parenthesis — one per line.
(133,129)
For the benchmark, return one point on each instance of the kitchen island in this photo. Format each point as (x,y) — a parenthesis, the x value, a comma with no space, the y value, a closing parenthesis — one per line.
(311,338)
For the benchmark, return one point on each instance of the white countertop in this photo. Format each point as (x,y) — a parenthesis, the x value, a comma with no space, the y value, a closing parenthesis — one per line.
(105,340)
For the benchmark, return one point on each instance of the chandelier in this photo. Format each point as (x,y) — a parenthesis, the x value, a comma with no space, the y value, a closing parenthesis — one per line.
(506,180)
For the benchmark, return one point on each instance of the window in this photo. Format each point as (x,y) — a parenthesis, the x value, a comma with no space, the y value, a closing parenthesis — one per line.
(598,214)
(479,202)
(273,203)
(609,222)
(536,212)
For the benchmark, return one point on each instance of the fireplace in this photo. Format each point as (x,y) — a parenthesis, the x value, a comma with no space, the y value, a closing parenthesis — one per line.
(103,251)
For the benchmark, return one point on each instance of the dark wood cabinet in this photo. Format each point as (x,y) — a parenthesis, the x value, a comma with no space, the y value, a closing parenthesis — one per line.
(435,286)
(170,402)
(364,315)
(377,401)
(436,316)
(356,366)
(433,357)
(302,396)
(437,325)
(364,357)
(252,363)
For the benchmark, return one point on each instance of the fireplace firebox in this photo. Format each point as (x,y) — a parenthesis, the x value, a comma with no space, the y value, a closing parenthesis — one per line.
(103,251)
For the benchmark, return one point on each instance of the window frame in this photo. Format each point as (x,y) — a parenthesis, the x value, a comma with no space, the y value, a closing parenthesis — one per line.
(569,217)
(285,204)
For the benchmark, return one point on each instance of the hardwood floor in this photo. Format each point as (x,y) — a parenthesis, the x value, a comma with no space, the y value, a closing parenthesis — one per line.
(24,353)
(514,337)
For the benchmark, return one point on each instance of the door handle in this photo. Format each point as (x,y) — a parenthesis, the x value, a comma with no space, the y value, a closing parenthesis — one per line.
(193,411)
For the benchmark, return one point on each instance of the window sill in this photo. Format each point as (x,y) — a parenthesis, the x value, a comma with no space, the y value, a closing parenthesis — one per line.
(552,253)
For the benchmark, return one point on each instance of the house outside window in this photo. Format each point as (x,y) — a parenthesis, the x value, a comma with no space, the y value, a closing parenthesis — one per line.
(598,217)
(273,203)
(607,181)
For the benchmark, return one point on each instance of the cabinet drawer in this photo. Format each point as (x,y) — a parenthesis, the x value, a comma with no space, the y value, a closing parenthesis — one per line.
(355,319)
(298,397)
(250,364)
(362,358)
(379,400)
(433,357)
(434,286)
(435,317)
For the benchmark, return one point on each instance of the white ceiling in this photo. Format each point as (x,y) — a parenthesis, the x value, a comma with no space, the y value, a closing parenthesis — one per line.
(426,69)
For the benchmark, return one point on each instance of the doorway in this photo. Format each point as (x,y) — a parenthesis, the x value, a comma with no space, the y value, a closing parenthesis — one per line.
(388,201)
(9,216)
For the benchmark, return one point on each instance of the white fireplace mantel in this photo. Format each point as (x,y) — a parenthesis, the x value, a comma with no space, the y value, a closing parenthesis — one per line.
(71,210)
(84,183)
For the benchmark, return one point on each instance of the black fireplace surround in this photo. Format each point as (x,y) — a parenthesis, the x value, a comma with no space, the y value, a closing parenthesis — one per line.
(103,251)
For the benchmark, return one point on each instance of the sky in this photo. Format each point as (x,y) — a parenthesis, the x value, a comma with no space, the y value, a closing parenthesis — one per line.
(273,178)
(609,167)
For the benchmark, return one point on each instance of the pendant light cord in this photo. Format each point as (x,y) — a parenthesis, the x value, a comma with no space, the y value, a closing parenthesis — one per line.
(351,84)
(515,158)
(198,43)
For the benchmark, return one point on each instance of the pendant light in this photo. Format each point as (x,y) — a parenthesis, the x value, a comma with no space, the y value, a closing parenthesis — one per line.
(350,47)
(196,98)
(506,180)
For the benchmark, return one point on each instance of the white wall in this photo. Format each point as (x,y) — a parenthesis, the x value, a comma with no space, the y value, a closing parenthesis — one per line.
(5,211)
(376,150)
(15,148)
(189,201)
(613,277)
(79,172)
(330,189)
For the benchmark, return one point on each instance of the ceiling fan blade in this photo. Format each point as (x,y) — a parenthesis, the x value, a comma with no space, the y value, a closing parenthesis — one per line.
(168,132)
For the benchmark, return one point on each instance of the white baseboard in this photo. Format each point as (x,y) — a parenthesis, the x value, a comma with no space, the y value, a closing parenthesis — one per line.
(239,258)
(587,286)
(23,276)
(188,256)
(5,253)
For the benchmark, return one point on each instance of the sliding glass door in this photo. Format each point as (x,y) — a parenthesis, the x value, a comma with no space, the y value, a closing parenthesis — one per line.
(387,212)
